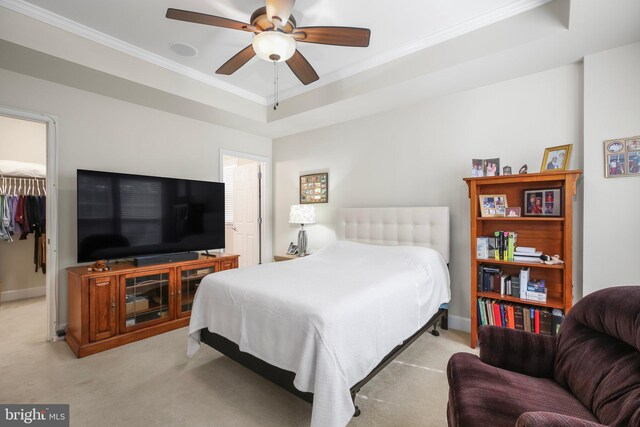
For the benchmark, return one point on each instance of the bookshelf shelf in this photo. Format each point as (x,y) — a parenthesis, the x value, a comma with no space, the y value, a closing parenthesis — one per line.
(551,235)
(520,264)
(521,218)
(551,302)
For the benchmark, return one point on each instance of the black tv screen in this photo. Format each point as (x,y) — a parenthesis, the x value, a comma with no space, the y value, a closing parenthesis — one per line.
(122,215)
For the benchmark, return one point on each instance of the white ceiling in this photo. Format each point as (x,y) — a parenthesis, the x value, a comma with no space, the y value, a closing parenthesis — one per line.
(406,27)
(508,40)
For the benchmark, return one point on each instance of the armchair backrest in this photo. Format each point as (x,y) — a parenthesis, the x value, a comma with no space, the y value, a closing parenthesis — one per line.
(598,355)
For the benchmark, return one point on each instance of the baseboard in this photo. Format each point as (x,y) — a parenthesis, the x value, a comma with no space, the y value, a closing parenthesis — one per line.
(459,323)
(17,294)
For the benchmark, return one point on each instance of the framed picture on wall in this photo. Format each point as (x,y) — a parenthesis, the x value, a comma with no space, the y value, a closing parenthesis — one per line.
(622,157)
(314,188)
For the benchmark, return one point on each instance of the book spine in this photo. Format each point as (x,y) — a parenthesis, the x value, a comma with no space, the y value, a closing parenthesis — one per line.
(505,248)
(524,279)
(498,250)
(536,319)
(512,320)
(496,314)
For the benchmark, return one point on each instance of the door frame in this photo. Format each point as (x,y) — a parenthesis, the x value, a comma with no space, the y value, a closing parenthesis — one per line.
(51,286)
(267,253)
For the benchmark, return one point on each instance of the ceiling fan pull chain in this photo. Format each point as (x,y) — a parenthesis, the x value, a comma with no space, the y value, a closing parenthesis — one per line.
(275,86)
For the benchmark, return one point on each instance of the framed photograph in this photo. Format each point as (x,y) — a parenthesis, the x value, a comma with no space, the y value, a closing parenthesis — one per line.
(622,157)
(556,158)
(492,167)
(493,205)
(632,144)
(513,212)
(314,188)
(543,202)
(477,167)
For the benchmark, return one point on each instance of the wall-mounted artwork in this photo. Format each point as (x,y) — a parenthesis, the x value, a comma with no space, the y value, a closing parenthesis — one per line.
(314,188)
(622,157)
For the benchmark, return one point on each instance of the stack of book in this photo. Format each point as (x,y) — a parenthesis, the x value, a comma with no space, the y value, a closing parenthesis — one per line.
(500,246)
(536,291)
(492,279)
(526,254)
(515,316)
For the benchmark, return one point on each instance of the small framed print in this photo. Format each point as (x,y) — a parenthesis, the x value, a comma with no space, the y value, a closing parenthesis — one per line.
(493,205)
(622,157)
(314,188)
(513,212)
(556,158)
(543,202)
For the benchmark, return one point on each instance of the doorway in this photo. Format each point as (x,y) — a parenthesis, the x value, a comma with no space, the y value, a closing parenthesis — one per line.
(245,177)
(30,169)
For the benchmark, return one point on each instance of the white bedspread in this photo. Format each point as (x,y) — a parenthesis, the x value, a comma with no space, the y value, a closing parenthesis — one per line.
(330,317)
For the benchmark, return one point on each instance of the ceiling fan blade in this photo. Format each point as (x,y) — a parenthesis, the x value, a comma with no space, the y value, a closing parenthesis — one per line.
(237,61)
(203,18)
(302,69)
(337,36)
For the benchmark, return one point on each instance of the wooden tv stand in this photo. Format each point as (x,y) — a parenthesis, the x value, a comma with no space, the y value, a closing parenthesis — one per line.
(111,308)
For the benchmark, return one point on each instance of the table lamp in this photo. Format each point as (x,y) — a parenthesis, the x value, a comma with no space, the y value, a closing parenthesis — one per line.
(302,214)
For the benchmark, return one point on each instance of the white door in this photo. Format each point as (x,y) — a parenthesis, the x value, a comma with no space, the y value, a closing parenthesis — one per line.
(245,213)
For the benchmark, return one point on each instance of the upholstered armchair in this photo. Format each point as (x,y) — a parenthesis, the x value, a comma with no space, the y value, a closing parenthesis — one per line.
(589,375)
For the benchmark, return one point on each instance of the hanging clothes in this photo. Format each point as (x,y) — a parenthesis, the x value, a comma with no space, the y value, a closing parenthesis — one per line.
(24,214)
(4,219)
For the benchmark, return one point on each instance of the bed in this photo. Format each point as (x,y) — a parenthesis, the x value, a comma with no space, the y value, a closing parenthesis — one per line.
(323,325)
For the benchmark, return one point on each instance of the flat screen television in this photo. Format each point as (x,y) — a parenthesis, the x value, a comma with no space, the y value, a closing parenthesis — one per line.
(122,215)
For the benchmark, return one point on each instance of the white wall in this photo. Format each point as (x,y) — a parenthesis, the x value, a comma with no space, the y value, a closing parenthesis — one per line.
(418,155)
(23,141)
(102,133)
(612,208)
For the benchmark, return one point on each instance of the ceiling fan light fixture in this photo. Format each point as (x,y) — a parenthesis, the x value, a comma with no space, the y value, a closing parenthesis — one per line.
(278,11)
(274,46)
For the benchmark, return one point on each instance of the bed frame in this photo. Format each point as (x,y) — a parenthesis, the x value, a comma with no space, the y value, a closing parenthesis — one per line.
(420,226)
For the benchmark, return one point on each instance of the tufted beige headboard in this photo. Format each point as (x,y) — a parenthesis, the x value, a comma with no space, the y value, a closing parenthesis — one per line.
(420,226)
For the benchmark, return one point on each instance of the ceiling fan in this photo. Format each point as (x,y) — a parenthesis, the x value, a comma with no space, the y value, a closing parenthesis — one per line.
(276,37)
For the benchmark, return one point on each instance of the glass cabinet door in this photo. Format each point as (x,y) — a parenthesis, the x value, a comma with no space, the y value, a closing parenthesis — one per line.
(189,282)
(147,299)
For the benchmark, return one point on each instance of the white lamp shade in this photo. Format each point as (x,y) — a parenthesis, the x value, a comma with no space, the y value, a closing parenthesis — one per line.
(302,214)
(274,46)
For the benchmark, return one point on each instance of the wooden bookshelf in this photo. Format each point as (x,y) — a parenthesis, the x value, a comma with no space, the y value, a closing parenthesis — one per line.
(551,235)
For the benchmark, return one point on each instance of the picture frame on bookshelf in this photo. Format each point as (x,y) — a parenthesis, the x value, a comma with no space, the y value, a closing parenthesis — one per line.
(543,202)
(513,212)
(493,205)
(556,158)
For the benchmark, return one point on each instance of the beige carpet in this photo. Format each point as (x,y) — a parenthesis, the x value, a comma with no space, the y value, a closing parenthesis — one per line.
(152,383)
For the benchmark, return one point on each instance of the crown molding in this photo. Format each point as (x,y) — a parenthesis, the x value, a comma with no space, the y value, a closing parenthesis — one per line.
(468,26)
(78,29)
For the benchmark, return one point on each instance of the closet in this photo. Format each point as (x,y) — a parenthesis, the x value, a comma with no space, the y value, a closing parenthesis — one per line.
(23,200)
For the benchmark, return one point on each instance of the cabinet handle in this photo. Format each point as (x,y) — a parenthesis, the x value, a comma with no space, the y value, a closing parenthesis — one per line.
(113,306)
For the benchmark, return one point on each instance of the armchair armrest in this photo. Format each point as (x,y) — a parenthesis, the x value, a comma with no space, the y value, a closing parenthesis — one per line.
(517,351)
(550,419)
